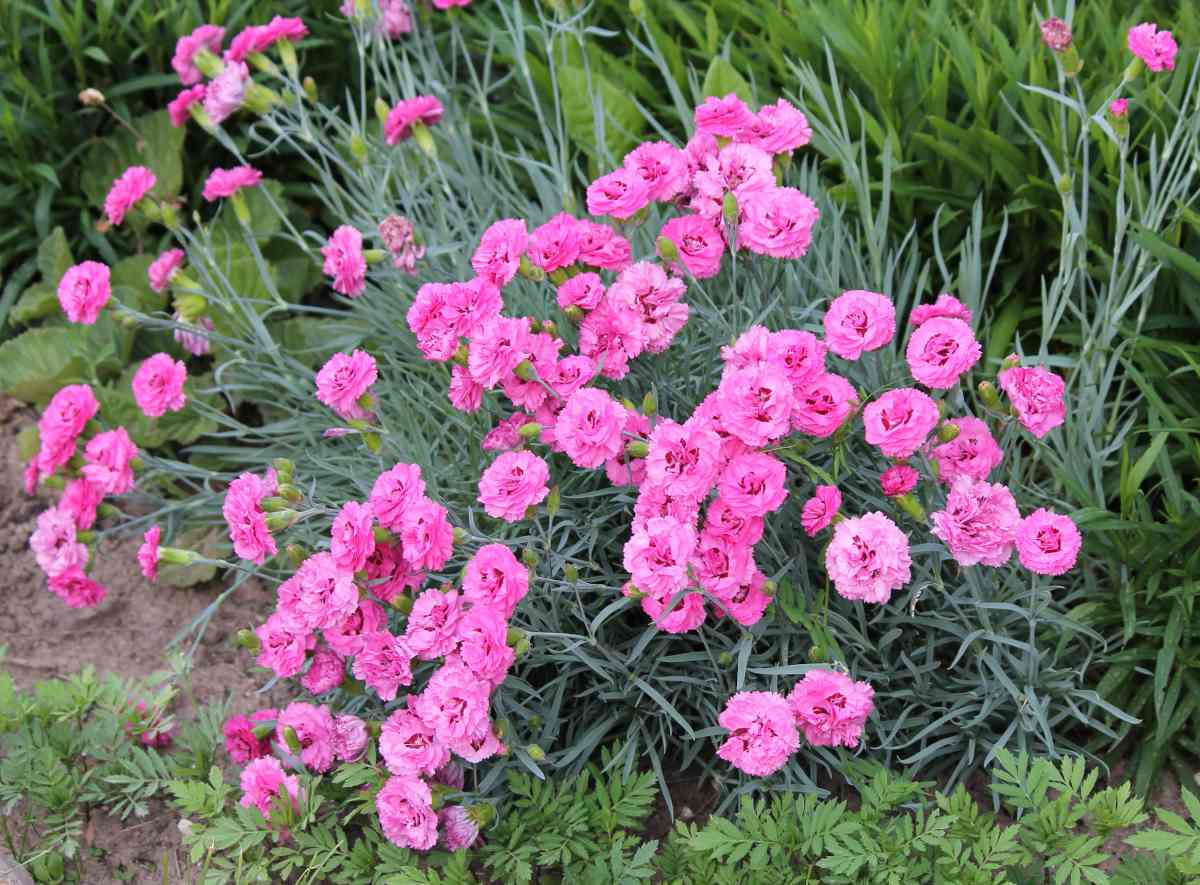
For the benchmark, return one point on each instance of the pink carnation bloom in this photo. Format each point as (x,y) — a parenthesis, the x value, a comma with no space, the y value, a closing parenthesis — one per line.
(472,306)
(699,149)
(940,351)
(459,830)
(350,738)
(662,166)
(762,732)
(495,579)
(244,515)
(724,117)
(1119,107)
(406,815)
(1156,48)
(513,483)
(260,38)
(497,349)
(320,593)
(746,602)
(426,535)
(241,743)
(383,664)
(897,480)
(54,543)
(1048,543)
(394,491)
(979,523)
(557,243)
(344,261)
(821,406)
(620,194)
(352,537)
(76,589)
(84,290)
(900,421)
(408,746)
(395,18)
(263,779)
(400,239)
(346,379)
(739,169)
(719,567)
(147,554)
(506,435)
(683,459)
(482,636)
(602,247)
(583,291)
(284,645)
(133,184)
(972,453)
(205,37)
(325,673)
(431,631)
(831,708)
(820,509)
(1037,395)
(686,615)
(180,106)
(346,637)
(226,92)
(194,338)
(589,427)
(757,404)
(424,109)
(753,484)
(777,128)
(226,182)
(801,355)
(108,457)
(79,500)
(430,324)
(778,222)
(1056,33)
(163,267)
(612,335)
(868,558)
(465,393)
(858,321)
(945,306)
(60,425)
(313,728)
(698,243)
(654,501)
(498,257)
(455,704)
(734,527)
(158,385)
(657,556)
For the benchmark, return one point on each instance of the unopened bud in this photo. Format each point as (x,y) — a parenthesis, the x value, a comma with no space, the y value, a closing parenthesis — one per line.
(459,534)
(570,572)
(263,731)
(374,256)
(190,307)
(530,431)
(554,501)
(948,432)
(240,209)
(91,98)
(991,399)
(290,493)
(529,557)
(558,277)
(170,218)
(1064,184)
(816,653)
(249,640)
(287,53)
(207,63)
(1134,70)
(275,504)
(381,111)
(358,148)
(424,139)
(549,327)
(635,448)
(403,603)
(175,556)
(632,592)
(481,814)
(725,659)
(531,271)
(536,753)
(310,89)
(667,249)
(373,442)
(382,535)
(281,520)
(86,537)
(910,505)
(729,209)
(261,63)
(284,469)
(769,588)
(517,640)
(574,313)
(295,554)
(650,404)
(289,737)
(637,8)
(460,355)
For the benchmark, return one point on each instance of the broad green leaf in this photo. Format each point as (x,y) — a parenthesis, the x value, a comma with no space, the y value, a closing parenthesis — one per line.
(183,427)
(622,122)
(54,257)
(37,302)
(722,78)
(131,286)
(159,148)
(35,364)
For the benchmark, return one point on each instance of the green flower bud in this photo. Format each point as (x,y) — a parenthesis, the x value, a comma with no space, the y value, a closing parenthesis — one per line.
(948,432)
(570,572)
(289,737)
(554,501)
(248,640)
(295,554)
(403,604)
(667,249)
(636,448)
(381,111)
(530,431)
(531,271)
(529,557)
(536,753)
(649,404)
(574,313)
(310,89)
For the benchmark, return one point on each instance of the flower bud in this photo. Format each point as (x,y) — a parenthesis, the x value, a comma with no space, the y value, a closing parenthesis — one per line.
(948,432)
(262,63)
(403,604)
(207,63)
(373,442)
(170,219)
(287,54)
(374,256)
(264,731)
(1010,362)
(460,355)
(381,111)
(289,737)
(175,556)
(248,640)
(358,148)
(424,139)
(632,592)
(1064,184)
(284,469)
(189,307)
(374,728)
(729,209)
(910,505)
(531,271)
(1134,70)
(529,557)
(518,640)
(295,554)
(637,8)
(275,504)
(991,399)
(574,313)
(530,430)
(549,327)
(91,98)
(667,249)
(310,89)
(558,277)
(769,587)
(816,654)
(725,659)
(382,535)
(281,520)
(554,501)
(240,209)
(536,753)
(107,510)
(570,572)
(86,537)
(525,371)
(460,534)
(635,448)
(290,493)
(650,404)
(481,814)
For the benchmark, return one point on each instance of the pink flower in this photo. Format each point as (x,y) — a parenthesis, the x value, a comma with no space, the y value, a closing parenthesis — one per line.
(408,747)
(431,631)
(583,291)
(205,38)
(602,247)
(400,239)
(350,738)
(54,544)
(820,509)
(226,182)
(746,602)
(1119,107)
(344,261)
(972,453)
(753,484)
(831,708)
(471,307)
(762,732)
(426,535)
(698,242)
(589,427)
(424,109)
(455,704)
(482,637)
(260,38)
(735,527)
(241,743)
(1056,33)
(657,556)
(325,673)
(739,169)
(624,469)
(179,109)
(352,538)
(79,500)
(466,394)
(654,501)
(313,727)
(262,780)
(512,484)
(699,149)
(429,322)
(801,355)
(778,222)
(147,554)
(897,480)
(612,335)
(687,615)
(777,129)
(868,558)
(899,421)
(498,257)
(557,243)
(459,830)
(346,637)
(858,321)
(247,523)
(344,380)
(83,291)
(67,413)
(1037,395)
(940,351)
(226,92)
(497,349)
(406,815)
(1156,48)
(395,18)
(394,491)
(76,589)
(133,184)
(1048,543)
(662,166)
(506,435)
(620,194)
(108,457)
(683,459)
(163,268)
(821,406)
(158,385)
(719,567)
(319,594)
(383,663)
(495,579)
(979,523)
(757,404)
(285,645)
(724,117)
(945,306)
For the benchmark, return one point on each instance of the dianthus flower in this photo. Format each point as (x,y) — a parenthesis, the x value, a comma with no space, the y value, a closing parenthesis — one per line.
(408,746)
(495,579)
(724,117)
(645,290)
(459,829)
(735,527)
(319,594)
(482,637)
(972,453)
(344,380)
(979,523)
(831,708)
(683,459)
(821,406)
(76,589)
(54,543)
(619,194)
(179,109)
(498,257)
(1037,395)
(719,567)
(350,738)
(432,628)
(65,416)
(194,338)
(1048,543)
(424,109)
(777,128)
(400,239)
(557,243)
(394,491)
(687,614)
(325,672)
(84,290)
(940,351)
(262,780)
(746,602)
(244,515)
(345,262)
(147,554)
(108,457)
(352,538)
(1156,48)
(133,184)
(662,166)
(163,267)
(454,703)
(241,743)
(868,558)
(226,182)
(657,555)
(897,480)
(602,247)
(158,385)
(858,321)
(205,38)
(80,499)
(778,222)
(589,427)
(1056,33)
(406,815)
(383,664)
(739,169)
(612,335)
(226,92)
(497,349)
(313,729)
(346,637)
(757,404)
(762,732)
(426,535)
(900,421)
(753,484)
(284,645)
(513,483)
(698,243)
(945,306)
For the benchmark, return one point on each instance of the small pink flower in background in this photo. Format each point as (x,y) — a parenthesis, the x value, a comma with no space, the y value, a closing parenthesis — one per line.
(226,92)
(60,425)
(459,831)
(1156,48)
(945,306)
(395,18)
(820,509)
(831,708)
(350,738)
(406,815)
(583,290)
(313,727)
(133,184)
(557,243)
(260,38)
(1048,543)
(352,538)
(244,515)
(227,182)
(163,267)
(285,645)
(662,166)
(325,673)
(423,109)
(495,579)
(179,108)
(940,351)
(972,453)
(589,427)
(399,238)
(54,543)
(147,554)
(602,247)
(158,385)
(619,194)
(344,380)
(657,556)
(900,421)
(1037,395)
(1119,107)
(194,339)
(724,117)
(394,491)
(84,290)
(498,257)
(108,457)
(512,484)
(1056,33)
(979,523)
(241,743)
(344,261)
(383,664)
(698,242)
(262,780)
(449,4)
(858,321)
(205,37)
(777,129)
(868,558)
(897,480)
(76,589)
(821,406)
(762,732)
(778,222)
